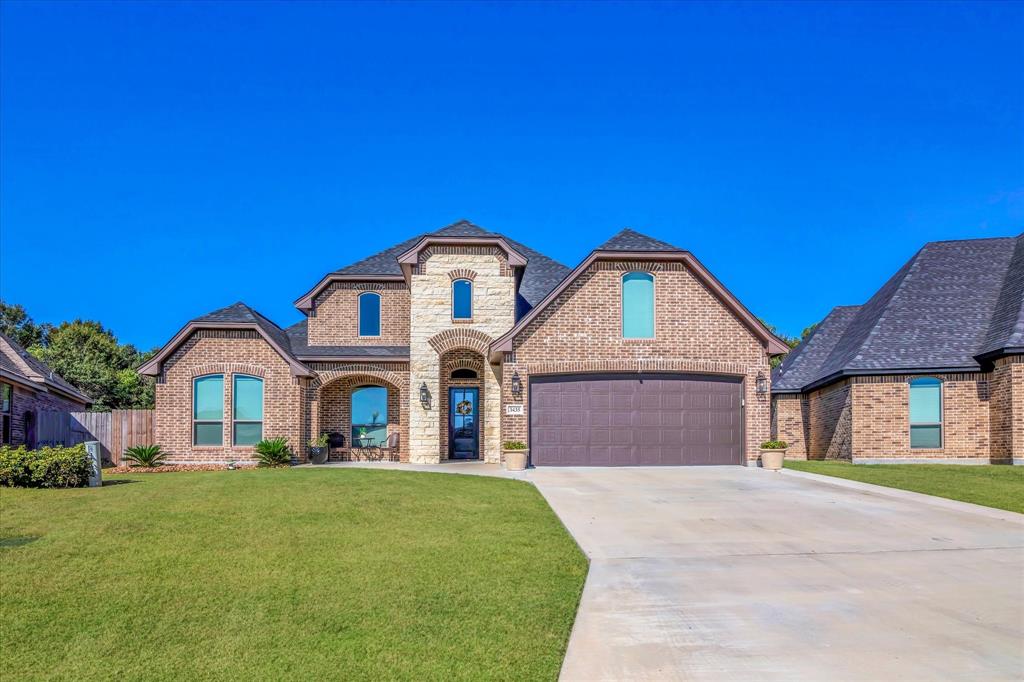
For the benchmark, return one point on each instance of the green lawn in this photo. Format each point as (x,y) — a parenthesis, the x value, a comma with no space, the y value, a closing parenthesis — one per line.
(286,574)
(999,486)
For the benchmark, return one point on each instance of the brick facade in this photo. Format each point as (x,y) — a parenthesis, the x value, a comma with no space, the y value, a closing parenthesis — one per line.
(581,331)
(867,418)
(26,404)
(335,322)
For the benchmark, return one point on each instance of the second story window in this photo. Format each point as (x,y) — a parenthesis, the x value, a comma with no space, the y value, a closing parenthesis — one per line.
(369,314)
(638,305)
(462,299)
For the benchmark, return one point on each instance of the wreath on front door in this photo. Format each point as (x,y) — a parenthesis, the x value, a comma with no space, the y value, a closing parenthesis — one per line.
(464,407)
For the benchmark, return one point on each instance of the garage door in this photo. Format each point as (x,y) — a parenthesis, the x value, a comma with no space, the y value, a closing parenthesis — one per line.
(635,419)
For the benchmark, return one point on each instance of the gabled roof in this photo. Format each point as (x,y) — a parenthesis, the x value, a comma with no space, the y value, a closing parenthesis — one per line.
(298,342)
(951,303)
(540,273)
(17,364)
(235,316)
(631,245)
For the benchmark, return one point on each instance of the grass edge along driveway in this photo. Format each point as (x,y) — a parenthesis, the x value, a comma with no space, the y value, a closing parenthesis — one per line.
(286,574)
(992,485)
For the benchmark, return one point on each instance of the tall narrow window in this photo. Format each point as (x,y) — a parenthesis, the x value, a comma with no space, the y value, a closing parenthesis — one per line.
(926,413)
(247,410)
(638,305)
(6,400)
(369,416)
(208,410)
(369,314)
(462,299)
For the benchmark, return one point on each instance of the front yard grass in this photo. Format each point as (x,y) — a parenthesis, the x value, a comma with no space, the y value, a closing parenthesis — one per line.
(286,574)
(999,486)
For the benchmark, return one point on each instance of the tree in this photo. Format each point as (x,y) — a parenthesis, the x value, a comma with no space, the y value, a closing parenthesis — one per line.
(17,324)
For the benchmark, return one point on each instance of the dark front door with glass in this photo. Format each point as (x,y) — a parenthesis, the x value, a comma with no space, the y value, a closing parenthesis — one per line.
(463,423)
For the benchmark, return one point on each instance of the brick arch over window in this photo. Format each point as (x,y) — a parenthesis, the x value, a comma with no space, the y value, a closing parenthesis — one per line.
(464,363)
(370,373)
(452,339)
(228,368)
(462,273)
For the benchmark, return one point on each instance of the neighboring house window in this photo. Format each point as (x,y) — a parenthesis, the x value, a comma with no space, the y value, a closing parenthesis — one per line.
(208,410)
(369,314)
(6,401)
(462,299)
(638,305)
(926,413)
(369,416)
(247,410)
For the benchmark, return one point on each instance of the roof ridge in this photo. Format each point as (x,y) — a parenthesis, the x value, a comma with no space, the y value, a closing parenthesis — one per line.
(15,350)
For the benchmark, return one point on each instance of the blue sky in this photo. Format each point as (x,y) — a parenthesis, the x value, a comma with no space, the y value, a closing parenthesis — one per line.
(162,160)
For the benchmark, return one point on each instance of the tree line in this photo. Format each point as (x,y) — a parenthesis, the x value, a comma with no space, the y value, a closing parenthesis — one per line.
(86,354)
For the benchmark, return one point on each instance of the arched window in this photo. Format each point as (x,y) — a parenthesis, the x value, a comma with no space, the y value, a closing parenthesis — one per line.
(369,314)
(247,410)
(464,373)
(926,413)
(369,416)
(638,305)
(208,410)
(462,299)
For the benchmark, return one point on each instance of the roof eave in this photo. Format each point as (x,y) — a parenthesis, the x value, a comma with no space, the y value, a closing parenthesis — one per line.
(991,355)
(353,358)
(305,302)
(847,373)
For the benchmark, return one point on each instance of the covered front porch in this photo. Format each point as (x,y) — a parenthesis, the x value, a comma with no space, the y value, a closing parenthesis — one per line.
(364,415)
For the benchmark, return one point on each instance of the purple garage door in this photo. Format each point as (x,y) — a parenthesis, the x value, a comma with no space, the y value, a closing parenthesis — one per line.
(635,419)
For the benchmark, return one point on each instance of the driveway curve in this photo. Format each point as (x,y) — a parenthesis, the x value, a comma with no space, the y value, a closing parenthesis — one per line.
(727,573)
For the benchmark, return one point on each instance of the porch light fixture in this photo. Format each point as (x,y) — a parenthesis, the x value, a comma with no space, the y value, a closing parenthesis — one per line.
(517,384)
(424,395)
(762,383)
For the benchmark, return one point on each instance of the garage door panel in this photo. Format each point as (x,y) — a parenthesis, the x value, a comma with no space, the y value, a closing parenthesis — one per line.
(620,420)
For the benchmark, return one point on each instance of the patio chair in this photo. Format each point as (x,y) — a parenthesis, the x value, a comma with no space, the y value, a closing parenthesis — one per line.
(389,450)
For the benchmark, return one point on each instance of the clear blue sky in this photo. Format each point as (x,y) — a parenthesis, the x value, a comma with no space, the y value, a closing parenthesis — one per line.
(162,160)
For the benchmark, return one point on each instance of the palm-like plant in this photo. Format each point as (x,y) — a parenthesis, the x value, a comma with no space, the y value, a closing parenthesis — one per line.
(145,456)
(273,452)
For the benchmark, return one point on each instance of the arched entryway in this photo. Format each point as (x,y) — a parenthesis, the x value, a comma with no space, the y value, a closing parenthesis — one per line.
(461,404)
(359,412)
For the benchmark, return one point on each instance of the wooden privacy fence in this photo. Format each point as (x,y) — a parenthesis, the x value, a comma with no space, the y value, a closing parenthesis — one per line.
(114,430)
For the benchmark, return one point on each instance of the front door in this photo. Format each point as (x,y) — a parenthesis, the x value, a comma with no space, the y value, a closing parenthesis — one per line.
(463,423)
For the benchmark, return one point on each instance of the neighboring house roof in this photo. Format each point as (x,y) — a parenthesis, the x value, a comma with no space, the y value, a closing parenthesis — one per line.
(950,304)
(301,349)
(630,244)
(540,274)
(17,364)
(235,316)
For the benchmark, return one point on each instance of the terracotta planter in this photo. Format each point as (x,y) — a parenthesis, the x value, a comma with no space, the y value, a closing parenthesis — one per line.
(772,459)
(515,460)
(318,455)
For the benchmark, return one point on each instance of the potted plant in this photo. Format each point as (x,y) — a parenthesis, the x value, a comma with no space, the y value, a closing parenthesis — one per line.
(515,455)
(772,454)
(318,449)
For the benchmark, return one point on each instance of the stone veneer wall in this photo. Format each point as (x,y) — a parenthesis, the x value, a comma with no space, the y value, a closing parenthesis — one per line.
(694,332)
(227,352)
(337,313)
(431,319)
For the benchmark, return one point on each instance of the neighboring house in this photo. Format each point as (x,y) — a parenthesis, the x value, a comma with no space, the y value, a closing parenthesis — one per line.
(460,339)
(931,368)
(27,386)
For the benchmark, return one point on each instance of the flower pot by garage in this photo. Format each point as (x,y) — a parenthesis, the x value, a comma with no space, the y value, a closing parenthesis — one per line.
(318,455)
(772,459)
(515,460)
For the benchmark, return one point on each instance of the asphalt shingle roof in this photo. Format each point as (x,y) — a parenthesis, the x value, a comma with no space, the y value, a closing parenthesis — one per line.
(947,305)
(297,337)
(631,240)
(542,274)
(21,363)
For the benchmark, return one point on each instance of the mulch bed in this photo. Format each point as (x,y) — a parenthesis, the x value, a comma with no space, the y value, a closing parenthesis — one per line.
(170,468)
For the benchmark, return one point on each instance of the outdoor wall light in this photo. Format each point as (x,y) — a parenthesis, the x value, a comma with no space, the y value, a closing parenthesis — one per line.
(517,384)
(424,395)
(762,383)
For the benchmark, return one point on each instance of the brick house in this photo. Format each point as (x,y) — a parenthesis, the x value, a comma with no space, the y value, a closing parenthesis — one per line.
(931,368)
(452,342)
(28,386)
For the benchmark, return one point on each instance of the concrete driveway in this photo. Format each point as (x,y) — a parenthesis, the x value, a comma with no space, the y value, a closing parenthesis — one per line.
(727,573)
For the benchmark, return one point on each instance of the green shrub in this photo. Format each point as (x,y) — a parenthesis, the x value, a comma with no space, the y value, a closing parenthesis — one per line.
(273,452)
(145,456)
(515,445)
(774,445)
(48,467)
